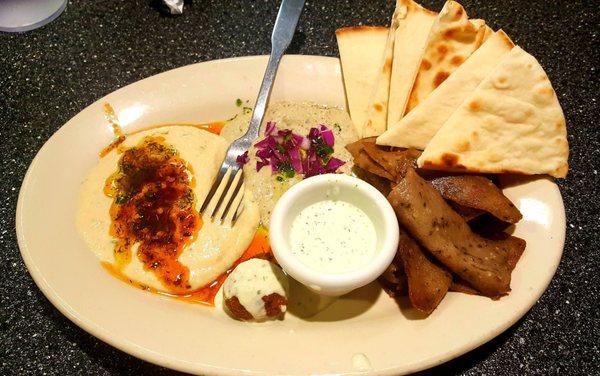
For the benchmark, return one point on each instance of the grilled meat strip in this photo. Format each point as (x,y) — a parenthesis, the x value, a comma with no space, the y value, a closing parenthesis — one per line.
(427,282)
(481,262)
(477,192)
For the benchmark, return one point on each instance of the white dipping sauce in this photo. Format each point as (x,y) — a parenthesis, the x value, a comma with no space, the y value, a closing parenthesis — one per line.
(333,236)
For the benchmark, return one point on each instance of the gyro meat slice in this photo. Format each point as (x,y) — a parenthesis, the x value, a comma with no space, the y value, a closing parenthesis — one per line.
(381,160)
(466,212)
(395,162)
(383,185)
(427,282)
(514,246)
(446,235)
(477,192)
(393,280)
(365,161)
(458,285)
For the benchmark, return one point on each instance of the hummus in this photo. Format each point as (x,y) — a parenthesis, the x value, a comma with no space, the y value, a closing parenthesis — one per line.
(214,249)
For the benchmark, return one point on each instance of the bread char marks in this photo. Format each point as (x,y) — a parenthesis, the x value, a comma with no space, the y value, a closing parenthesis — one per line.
(512,123)
(452,39)
(410,42)
(417,127)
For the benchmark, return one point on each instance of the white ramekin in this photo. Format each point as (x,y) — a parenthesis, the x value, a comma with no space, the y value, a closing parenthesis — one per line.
(328,187)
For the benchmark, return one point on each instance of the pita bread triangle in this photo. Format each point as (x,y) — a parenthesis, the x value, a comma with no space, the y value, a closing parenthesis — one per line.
(410,41)
(416,129)
(358,46)
(511,123)
(453,38)
(377,106)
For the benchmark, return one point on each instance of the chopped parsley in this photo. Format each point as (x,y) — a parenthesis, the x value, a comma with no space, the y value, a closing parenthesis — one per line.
(280,148)
(286,170)
(322,149)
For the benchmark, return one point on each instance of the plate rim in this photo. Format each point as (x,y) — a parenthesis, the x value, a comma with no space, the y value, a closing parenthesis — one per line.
(177,364)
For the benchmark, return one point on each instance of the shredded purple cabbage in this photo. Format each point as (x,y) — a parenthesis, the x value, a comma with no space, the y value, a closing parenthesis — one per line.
(289,153)
(242,159)
(334,164)
(327,135)
(271,128)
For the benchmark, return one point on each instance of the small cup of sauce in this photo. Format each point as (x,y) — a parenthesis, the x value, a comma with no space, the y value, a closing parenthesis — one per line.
(333,233)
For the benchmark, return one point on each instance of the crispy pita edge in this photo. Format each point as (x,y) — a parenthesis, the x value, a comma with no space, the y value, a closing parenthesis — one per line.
(413,5)
(343,31)
(505,38)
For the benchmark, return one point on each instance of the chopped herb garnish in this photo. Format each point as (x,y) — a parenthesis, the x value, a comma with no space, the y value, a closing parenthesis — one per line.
(238,102)
(322,149)
(288,153)
(280,148)
(286,169)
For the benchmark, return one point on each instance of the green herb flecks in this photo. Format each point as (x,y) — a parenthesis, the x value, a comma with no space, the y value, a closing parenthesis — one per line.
(280,148)
(286,170)
(323,150)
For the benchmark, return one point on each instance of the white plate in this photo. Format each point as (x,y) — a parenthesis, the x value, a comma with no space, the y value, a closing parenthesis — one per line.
(198,339)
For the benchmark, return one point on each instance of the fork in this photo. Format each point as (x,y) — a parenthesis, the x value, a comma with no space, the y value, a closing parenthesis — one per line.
(223,202)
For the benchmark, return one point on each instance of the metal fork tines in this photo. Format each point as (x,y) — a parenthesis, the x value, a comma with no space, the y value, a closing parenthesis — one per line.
(223,202)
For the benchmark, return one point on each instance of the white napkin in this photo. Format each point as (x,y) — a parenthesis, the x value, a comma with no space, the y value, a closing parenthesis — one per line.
(175,6)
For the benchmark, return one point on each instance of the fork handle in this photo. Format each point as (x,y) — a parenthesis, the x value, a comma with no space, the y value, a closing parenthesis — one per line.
(283,32)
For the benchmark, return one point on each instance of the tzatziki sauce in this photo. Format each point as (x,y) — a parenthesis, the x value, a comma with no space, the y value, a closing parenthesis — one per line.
(333,236)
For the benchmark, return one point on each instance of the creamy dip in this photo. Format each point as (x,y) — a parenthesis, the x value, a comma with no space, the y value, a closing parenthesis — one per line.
(333,236)
(298,117)
(214,249)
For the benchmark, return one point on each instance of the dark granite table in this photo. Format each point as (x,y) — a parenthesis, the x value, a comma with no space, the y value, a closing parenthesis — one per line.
(49,75)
